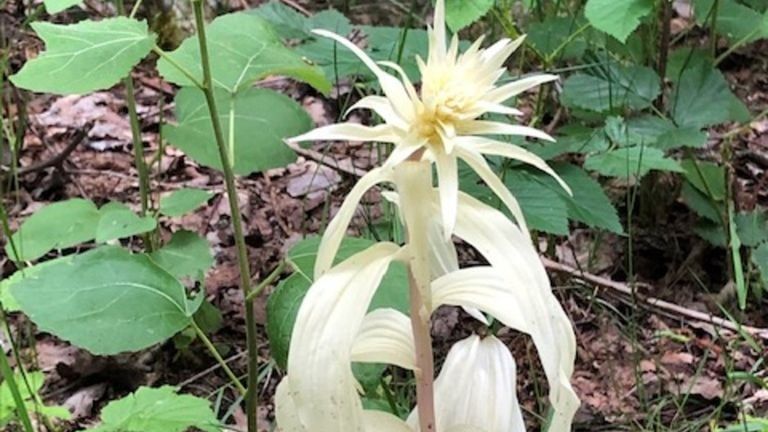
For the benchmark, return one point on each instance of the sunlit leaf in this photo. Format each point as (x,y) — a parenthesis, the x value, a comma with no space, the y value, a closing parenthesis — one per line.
(106,301)
(183,201)
(257,120)
(157,410)
(56,226)
(243,48)
(618,18)
(87,56)
(461,13)
(631,162)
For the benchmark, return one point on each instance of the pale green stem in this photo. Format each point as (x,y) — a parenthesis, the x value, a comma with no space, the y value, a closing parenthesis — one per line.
(220,360)
(251,401)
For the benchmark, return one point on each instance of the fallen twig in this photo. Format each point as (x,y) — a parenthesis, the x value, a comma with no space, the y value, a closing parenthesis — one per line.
(57,160)
(655,303)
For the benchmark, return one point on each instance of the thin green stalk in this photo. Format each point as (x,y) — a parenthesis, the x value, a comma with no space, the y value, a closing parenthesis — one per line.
(138,144)
(5,369)
(184,71)
(713,27)
(219,359)
(266,282)
(251,401)
(135,9)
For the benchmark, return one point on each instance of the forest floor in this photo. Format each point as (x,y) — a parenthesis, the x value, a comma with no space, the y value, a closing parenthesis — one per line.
(649,350)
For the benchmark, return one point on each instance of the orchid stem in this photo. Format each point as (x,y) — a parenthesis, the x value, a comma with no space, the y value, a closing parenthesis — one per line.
(215,353)
(414,180)
(251,401)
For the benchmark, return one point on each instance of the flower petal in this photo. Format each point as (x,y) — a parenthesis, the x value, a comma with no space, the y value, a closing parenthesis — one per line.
(383,107)
(495,108)
(438,28)
(322,385)
(385,337)
(477,162)
(391,86)
(402,151)
(337,228)
(475,390)
(404,78)
(497,148)
(350,132)
(448,179)
(484,127)
(514,88)
(513,258)
(498,53)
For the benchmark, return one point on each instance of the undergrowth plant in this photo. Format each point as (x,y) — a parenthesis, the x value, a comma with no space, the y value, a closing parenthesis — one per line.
(113,298)
(336,325)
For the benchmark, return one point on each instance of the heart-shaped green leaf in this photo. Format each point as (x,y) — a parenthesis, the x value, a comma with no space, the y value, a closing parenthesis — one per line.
(87,56)
(256,122)
(56,226)
(118,221)
(183,201)
(106,301)
(186,255)
(243,48)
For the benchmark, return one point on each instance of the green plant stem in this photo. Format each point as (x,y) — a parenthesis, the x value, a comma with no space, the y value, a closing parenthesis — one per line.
(135,9)
(186,72)
(251,401)
(138,145)
(5,369)
(219,359)
(266,282)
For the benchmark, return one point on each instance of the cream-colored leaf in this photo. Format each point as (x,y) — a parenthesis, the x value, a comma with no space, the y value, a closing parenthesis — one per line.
(322,386)
(286,414)
(512,255)
(385,337)
(337,228)
(476,389)
(377,421)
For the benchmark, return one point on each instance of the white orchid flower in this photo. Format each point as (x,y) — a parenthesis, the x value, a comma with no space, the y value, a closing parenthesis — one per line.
(441,123)
(333,329)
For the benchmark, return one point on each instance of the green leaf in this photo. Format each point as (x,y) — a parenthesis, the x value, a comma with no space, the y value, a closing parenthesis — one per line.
(701,97)
(118,221)
(737,22)
(243,48)
(633,87)
(6,295)
(183,201)
(681,137)
(284,303)
(35,380)
(555,33)
(157,410)
(701,204)
(285,20)
(56,226)
(760,260)
(186,255)
(106,301)
(574,139)
(400,46)
(258,121)
(752,227)
(543,208)
(282,308)
(87,56)
(707,177)
(461,13)
(631,162)
(56,6)
(589,203)
(618,18)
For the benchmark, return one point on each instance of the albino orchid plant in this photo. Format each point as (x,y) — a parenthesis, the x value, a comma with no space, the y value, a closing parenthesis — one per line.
(475,389)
